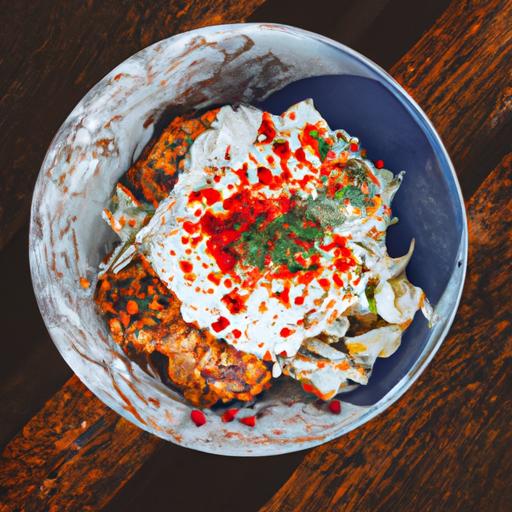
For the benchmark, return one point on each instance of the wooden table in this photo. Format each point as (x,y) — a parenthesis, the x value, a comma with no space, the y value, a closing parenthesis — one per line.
(445,445)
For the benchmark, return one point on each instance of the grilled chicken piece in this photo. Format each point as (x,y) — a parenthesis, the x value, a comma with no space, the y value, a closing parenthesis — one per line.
(143,315)
(155,173)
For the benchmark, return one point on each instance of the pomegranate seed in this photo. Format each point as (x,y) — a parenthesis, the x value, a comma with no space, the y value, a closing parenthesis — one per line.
(335,406)
(379,164)
(229,415)
(354,147)
(250,421)
(198,417)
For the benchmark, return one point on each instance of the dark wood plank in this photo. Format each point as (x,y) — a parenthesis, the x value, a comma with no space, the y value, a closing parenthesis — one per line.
(459,72)
(78,463)
(383,30)
(58,51)
(447,444)
(31,368)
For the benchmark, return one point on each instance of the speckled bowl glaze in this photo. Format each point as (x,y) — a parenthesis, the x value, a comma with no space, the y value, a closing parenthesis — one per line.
(106,132)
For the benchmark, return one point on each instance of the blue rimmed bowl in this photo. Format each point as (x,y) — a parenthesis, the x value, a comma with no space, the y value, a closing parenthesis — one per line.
(272,66)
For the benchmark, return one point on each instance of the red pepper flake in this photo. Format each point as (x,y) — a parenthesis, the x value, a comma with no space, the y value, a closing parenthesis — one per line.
(84,283)
(213,278)
(198,212)
(267,128)
(234,302)
(338,281)
(198,417)
(132,308)
(184,240)
(324,283)
(250,421)
(210,195)
(189,227)
(267,356)
(236,333)
(229,415)
(284,297)
(379,164)
(354,147)
(220,324)
(299,301)
(265,176)
(335,406)
(308,388)
(283,353)
(228,283)
(186,266)
(285,332)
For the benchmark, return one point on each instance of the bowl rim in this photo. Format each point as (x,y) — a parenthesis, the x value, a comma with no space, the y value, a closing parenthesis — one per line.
(460,268)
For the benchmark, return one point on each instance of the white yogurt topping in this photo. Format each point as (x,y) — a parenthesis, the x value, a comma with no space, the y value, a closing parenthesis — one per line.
(271,309)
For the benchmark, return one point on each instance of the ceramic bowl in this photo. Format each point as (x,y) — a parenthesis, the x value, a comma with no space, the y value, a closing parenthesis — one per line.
(273,66)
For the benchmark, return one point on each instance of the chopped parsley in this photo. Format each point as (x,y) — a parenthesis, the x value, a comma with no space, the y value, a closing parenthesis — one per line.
(282,240)
(323,146)
(353,194)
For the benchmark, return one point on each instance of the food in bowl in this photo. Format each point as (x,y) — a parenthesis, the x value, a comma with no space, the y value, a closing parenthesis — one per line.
(253,246)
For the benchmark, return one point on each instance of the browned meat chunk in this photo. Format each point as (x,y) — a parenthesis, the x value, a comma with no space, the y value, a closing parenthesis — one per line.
(143,315)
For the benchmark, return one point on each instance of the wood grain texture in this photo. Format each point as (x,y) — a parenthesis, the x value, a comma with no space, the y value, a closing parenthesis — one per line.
(460,74)
(66,48)
(447,444)
(73,455)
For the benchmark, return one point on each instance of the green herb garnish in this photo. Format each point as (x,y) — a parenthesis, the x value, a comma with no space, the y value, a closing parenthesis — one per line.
(283,239)
(323,146)
(353,194)
(370,297)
